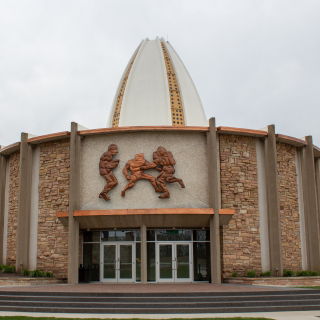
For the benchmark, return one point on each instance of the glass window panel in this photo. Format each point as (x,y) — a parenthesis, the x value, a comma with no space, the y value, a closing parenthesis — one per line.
(173,235)
(109,264)
(183,263)
(125,261)
(125,235)
(201,235)
(91,260)
(165,254)
(117,235)
(201,261)
(138,261)
(151,235)
(108,235)
(151,261)
(91,236)
(138,235)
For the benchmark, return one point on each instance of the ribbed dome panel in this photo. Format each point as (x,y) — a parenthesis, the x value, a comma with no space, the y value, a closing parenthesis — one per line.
(144,98)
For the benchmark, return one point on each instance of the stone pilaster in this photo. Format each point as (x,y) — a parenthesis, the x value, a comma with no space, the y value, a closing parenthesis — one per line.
(3,166)
(214,201)
(317,172)
(143,254)
(24,204)
(274,227)
(310,206)
(74,200)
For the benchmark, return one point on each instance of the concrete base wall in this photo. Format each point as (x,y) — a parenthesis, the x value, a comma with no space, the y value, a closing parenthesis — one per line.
(282,281)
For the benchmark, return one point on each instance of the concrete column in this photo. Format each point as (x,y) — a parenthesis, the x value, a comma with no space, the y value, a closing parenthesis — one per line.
(74,201)
(24,204)
(317,171)
(3,166)
(34,208)
(214,201)
(310,206)
(275,245)
(263,208)
(303,237)
(143,254)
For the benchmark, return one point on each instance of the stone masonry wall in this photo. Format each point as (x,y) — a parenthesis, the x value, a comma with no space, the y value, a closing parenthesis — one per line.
(13,208)
(240,239)
(52,250)
(289,207)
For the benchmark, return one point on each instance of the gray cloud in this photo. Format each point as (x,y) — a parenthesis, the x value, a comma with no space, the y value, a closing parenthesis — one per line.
(254,63)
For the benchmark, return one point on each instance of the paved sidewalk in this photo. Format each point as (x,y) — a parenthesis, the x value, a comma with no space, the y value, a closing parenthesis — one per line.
(296,315)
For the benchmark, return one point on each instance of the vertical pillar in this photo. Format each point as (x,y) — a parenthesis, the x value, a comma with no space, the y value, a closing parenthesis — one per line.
(143,254)
(303,237)
(317,172)
(310,206)
(3,166)
(214,201)
(74,197)
(263,208)
(275,245)
(24,204)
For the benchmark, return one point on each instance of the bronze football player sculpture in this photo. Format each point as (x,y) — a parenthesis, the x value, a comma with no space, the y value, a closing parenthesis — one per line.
(106,165)
(136,166)
(163,161)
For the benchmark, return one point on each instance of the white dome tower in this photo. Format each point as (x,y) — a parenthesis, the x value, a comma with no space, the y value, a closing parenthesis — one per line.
(156,90)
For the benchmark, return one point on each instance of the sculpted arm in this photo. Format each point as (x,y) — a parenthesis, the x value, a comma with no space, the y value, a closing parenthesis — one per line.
(113,164)
(148,165)
(125,170)
(171,159)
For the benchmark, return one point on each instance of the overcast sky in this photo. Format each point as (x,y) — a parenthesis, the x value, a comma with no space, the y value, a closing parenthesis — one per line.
(254,63)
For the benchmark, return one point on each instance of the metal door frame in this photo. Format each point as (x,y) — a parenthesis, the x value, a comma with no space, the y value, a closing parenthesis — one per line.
(174,261)
(117,245)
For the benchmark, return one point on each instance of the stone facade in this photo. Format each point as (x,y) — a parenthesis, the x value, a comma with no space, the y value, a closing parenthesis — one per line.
(54,171)
(289,207)
(240,239)
(13,208)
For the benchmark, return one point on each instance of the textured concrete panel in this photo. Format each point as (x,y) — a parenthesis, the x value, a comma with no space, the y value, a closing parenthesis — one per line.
(188,149)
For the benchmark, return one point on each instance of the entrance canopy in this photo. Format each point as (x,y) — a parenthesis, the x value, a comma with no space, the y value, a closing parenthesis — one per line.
(151,218)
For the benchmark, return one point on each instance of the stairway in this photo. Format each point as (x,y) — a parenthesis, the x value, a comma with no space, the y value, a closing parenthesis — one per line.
(148,303)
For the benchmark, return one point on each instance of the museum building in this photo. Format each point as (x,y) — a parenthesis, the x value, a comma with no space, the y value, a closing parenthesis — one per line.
(161,194)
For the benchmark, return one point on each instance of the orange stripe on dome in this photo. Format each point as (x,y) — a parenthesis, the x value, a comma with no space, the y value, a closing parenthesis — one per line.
(177,116)
(116,115)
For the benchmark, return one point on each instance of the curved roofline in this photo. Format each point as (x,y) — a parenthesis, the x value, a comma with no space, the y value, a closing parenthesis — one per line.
(7,150)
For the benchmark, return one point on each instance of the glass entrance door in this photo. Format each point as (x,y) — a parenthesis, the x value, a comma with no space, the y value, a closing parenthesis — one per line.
(174,262)
(117,263)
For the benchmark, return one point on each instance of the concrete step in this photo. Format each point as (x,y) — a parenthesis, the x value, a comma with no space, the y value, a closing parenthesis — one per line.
(155,305)
(90,299)
(161,310)
(213,302)
(158,294)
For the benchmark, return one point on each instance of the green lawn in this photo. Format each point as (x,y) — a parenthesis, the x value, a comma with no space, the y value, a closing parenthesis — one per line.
(51,318)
